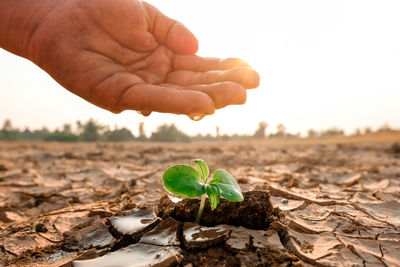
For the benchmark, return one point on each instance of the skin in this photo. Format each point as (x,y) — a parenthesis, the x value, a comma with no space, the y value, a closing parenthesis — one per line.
(122,55)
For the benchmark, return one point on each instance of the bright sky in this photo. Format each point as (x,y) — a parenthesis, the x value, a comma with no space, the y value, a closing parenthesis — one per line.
(322,64)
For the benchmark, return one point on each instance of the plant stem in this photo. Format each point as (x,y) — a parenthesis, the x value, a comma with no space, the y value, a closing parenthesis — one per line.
(203,201)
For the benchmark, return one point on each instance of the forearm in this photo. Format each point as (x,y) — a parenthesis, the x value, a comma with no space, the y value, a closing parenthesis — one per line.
(18,21)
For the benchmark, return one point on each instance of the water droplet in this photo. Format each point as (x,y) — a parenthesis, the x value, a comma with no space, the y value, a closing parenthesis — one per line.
(196,117)
(144,112)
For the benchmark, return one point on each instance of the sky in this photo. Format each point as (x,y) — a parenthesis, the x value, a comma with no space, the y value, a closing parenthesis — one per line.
(322,64)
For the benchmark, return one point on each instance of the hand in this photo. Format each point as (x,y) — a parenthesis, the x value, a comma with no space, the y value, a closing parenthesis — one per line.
(125,54)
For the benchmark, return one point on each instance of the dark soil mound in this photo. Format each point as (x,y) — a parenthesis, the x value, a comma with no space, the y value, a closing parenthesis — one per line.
(255,212)
(396,148)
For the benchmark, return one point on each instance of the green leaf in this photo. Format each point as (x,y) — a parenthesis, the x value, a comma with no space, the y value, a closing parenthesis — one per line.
(202,168)
(228,186)
(213,193)
(184,181)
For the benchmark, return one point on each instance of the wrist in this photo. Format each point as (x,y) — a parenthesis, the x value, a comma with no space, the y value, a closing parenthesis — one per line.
(19,19)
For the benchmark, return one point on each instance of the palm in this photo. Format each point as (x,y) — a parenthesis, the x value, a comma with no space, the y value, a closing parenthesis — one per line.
(125,54)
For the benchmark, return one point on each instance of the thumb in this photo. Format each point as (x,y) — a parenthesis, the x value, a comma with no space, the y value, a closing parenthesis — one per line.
(171,33)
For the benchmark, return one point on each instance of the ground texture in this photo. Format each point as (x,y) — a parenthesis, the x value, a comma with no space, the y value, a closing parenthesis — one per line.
(334,204)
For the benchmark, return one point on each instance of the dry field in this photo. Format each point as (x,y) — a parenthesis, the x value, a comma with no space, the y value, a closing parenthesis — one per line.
(336,202)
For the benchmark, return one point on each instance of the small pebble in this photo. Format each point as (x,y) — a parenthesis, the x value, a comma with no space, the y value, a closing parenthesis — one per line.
(314,222)
(285,201)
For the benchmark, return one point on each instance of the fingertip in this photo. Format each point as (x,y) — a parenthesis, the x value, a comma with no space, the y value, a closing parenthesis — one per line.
(198,103)
(181,40)
(241,95)
(250,79)
(230,94)
(235,62)
(256,79)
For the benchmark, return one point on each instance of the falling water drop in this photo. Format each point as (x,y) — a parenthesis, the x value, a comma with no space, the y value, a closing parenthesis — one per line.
(196,117)
(144,112)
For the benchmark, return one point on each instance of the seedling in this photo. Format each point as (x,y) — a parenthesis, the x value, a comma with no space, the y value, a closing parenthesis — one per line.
(188,182)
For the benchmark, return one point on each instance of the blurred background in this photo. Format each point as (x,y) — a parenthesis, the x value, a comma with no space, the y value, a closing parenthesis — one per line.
(326,67)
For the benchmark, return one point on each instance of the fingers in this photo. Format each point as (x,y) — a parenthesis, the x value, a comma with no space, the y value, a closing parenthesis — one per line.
(147,97)
(170,32)
(196,63)
(246,77)
(223,94)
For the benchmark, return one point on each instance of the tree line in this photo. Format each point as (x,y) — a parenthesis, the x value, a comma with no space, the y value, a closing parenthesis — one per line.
(93,131)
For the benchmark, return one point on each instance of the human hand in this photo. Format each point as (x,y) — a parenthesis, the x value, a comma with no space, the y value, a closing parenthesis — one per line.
(125,54)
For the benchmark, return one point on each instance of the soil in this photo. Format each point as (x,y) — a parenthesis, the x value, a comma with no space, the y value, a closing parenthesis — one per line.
(334,203)
(232,213)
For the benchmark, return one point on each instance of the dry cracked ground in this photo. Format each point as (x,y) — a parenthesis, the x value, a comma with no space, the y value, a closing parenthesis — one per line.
(96,204)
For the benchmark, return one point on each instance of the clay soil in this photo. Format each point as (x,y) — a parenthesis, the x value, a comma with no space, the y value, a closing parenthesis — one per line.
(335,201)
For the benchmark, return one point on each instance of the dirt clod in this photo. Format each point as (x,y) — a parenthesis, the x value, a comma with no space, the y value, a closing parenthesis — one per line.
(41,228)
(255,212)
(396,148)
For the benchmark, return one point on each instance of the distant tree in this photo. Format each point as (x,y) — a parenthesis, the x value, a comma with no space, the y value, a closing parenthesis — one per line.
(64,135)
(119,135)
(217,131)
(280,130)
(26,134)
(40,134)
(312,133)
(67,128)
(260,132)
(8,132)
(79,127)
(34,134)
(367,130)
(384,127)
(91,131)
(332,131)
(169,133)
(61,136)
(142,134)
(357,131)
(225,137)
(208,137)
(197,137)
(7,125)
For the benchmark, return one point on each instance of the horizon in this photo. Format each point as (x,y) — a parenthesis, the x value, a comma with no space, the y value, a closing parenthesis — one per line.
(269,131)
(322,64)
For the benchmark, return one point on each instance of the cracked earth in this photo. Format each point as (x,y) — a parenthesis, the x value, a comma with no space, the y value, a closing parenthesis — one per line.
(95,204)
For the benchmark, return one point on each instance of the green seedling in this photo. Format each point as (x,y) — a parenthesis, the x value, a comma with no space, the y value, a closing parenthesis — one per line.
(188,182)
